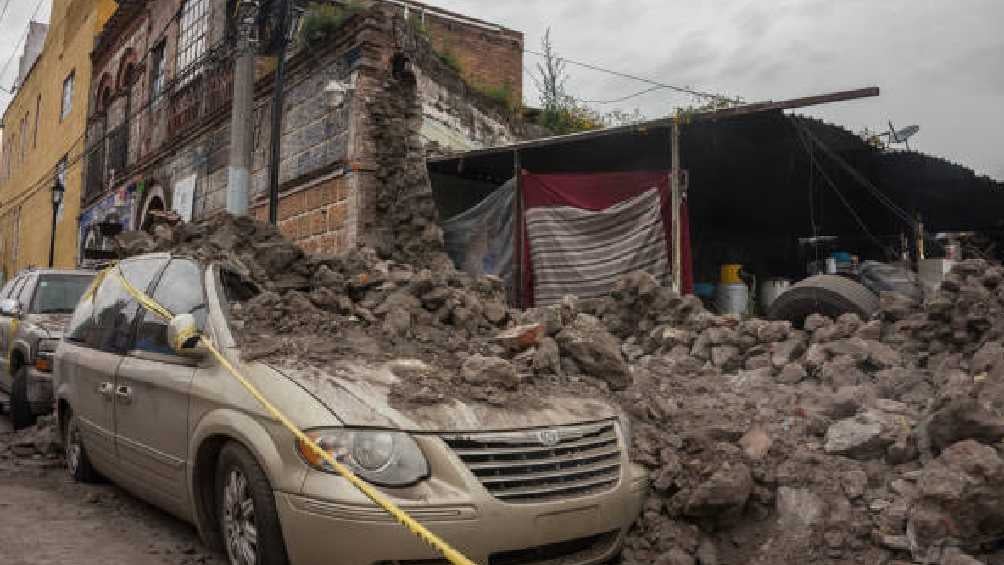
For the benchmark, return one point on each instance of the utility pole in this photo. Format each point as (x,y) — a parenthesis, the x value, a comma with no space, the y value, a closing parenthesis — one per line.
(241,136)
(284,29)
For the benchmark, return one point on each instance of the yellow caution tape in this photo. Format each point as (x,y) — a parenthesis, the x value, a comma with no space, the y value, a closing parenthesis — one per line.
(451,554)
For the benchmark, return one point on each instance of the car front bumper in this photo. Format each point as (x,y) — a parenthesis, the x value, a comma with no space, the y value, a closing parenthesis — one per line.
(331,523)
(40,391)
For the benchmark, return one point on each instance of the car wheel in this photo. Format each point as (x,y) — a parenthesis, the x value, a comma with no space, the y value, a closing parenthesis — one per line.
(249,522)
(77,462)
(20,409)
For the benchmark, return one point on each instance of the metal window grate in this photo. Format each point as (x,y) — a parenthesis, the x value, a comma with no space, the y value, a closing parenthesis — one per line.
(193,32)
(535,465)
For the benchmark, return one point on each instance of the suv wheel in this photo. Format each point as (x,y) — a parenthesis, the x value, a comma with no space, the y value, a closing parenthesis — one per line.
(20,409)
(77,462)
(249,523)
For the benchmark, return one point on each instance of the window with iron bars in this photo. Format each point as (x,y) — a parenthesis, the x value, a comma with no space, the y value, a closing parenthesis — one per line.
(193,37)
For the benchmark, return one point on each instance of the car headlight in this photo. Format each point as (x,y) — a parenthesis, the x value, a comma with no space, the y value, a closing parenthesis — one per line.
(380,457)
(47,345)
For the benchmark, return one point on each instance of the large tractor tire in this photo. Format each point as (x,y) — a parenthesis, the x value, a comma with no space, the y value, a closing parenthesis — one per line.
(829,295)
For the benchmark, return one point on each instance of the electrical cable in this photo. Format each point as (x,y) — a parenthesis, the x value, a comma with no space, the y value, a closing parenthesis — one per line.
(681,89)
(24,37)
(47,176)
(840,195)
(4,12)
(878,194)
(628,97)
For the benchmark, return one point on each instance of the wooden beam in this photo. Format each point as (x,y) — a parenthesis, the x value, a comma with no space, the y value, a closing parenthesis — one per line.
(667,123)
(793,103)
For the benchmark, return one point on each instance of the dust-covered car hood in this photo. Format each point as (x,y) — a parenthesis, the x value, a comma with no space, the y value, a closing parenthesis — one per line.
(52,324)
(358,394)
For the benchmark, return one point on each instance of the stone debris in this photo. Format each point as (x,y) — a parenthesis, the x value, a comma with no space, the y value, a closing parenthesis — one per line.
(846,441)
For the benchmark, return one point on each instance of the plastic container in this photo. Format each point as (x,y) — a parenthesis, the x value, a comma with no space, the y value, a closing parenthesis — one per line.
(732,298)
(770,289)
(731,273)
(704,290)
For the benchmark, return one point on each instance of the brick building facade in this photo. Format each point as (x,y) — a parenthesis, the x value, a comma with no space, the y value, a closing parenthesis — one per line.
(159,117)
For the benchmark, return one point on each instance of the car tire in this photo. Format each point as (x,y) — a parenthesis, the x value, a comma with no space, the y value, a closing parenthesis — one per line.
(829,295)
(245,506)
(20,409)
(77,463)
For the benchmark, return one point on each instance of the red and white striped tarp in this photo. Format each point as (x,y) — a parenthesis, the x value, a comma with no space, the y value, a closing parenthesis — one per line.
(584,231)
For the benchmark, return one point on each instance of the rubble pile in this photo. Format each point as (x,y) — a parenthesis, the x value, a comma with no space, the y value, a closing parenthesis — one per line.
(36,447)
(847,441)
(843,441)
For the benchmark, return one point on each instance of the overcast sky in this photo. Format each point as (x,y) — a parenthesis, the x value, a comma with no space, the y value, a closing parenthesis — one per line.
(940,63)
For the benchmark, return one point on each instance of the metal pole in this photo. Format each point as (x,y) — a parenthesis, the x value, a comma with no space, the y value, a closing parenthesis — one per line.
(241,139)
(675,203)
(52,235)
(517,253)
(277,103)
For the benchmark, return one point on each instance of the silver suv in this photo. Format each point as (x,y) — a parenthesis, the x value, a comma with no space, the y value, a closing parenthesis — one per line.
(503,484)
(34,307)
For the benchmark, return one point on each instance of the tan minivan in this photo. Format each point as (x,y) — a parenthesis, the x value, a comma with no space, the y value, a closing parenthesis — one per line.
(503,486)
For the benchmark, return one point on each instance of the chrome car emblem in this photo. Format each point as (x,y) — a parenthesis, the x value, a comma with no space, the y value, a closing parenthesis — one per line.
(548,437)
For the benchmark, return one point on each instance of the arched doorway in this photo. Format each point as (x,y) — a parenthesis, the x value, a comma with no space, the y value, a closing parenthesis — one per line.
(155,200)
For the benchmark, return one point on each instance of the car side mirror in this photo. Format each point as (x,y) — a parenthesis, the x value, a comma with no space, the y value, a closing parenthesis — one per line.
(184,336)
(10,307)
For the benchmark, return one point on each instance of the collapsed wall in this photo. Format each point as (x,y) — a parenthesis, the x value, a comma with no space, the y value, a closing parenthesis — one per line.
(846,441)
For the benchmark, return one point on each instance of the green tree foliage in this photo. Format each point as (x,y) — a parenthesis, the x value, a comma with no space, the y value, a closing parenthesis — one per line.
(322,20)
(560,112)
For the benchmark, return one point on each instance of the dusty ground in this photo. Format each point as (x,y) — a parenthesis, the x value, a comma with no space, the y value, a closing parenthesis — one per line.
(48,519)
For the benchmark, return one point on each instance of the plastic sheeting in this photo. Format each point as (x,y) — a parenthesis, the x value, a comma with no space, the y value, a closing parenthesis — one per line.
(480,240)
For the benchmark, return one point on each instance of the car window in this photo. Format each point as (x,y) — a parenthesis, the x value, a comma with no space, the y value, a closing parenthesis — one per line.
(24,293)
(5,292)
(58,294)
(180,291)
(105,319)
(15,291)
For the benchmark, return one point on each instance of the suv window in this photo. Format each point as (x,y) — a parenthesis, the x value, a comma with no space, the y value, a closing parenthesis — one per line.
(15,290)
(104,320)
(5,292)
(23,294)
(58,294)
(180,291)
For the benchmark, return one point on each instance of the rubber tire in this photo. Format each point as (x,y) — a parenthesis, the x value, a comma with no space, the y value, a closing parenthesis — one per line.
(85,472)
(830,295)
(20,409)
(271,548)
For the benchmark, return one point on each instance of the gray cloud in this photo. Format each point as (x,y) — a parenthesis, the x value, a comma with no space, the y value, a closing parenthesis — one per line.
(938,62)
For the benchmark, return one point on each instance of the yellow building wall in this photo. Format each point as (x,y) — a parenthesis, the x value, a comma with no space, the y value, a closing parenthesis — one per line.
(25,185)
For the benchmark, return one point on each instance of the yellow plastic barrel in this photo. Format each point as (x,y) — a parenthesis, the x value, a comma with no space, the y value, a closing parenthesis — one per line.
(730,273)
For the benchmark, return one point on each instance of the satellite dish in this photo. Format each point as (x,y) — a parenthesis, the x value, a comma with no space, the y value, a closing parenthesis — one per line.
(903,135)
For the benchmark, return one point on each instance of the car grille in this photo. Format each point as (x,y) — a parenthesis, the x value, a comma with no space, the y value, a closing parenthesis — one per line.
(531,465)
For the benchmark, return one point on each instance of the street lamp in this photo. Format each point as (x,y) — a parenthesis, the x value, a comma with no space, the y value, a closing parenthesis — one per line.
(57,198)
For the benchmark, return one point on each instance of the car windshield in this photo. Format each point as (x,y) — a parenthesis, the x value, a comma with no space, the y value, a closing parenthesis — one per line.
(58,294)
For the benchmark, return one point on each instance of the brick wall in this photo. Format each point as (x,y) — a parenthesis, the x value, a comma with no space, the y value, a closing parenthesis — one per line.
(320,218)
(488,58)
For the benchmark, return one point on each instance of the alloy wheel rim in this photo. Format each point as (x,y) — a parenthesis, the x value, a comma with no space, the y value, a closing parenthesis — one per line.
(239,530)
(73,448)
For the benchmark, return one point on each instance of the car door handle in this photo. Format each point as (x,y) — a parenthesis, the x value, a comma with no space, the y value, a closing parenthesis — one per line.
(124,393)
(105,389)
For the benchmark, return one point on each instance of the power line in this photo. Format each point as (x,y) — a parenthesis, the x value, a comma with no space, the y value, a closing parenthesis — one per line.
(24,37)
(86,150)
(682,89)
(628,97)
(4,13)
